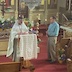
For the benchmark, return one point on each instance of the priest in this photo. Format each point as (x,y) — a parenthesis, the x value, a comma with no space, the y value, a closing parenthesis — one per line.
(18,29)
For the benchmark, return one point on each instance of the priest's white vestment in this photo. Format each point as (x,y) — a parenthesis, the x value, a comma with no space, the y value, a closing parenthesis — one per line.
(15,30)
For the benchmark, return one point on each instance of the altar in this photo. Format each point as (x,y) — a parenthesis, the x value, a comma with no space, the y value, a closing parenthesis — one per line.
(27,50)
(28,43)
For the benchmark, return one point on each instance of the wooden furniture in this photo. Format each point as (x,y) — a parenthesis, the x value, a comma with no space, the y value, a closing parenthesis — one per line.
(4,38)
(69,49)
(3,46)
(14,65)
(67,35)
(10,67)
(25,62)
(67,30)
(65,44)
(69,66)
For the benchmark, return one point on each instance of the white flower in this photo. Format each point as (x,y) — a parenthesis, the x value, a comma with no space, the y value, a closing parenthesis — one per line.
(3,20)
(11,21)
(8,19)
(31,29)
(2,24)
(69,59)
(59,58)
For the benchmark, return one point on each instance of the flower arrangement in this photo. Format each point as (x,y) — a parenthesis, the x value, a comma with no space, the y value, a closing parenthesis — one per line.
(6,23)
(61,56)
(28,23)
(31,28)
(39,40)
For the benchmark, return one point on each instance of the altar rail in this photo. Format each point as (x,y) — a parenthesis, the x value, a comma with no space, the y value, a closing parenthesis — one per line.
(67,32)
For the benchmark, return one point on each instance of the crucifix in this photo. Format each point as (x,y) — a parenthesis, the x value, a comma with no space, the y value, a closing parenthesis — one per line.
(3,10)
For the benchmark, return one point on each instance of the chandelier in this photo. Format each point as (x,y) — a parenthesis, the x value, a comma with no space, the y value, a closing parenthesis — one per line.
(32,3)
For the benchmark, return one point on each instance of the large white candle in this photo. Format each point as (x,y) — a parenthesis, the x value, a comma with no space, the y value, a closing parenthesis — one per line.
(69,4)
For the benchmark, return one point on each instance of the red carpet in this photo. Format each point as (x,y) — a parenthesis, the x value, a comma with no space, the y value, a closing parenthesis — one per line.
(40,64)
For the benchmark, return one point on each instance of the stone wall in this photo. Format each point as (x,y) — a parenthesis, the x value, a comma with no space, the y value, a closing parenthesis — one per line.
(35,14)
(61,3)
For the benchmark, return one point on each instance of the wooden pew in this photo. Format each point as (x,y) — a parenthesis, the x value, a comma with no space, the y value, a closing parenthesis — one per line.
(10,67)
(62,45)
(15,66)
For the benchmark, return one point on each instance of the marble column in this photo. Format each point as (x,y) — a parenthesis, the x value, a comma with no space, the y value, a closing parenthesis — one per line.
(46,10)
(16,11)
(69,5)
(30,15)
(57,16)
(0,7)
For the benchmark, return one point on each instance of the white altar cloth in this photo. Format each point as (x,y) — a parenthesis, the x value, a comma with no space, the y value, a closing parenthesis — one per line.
(28,46)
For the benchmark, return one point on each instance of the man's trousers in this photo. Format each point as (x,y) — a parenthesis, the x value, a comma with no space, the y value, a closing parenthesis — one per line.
(52,48)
